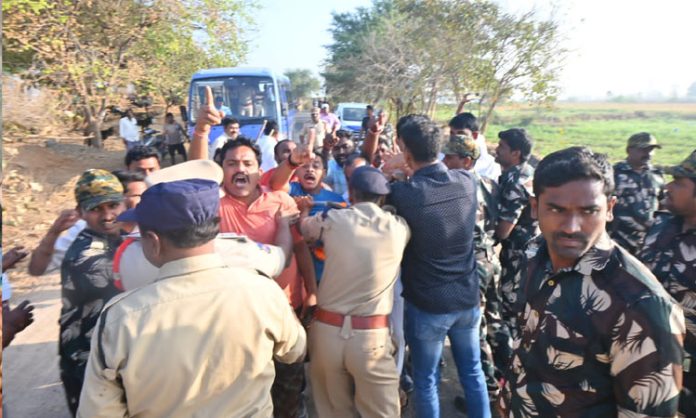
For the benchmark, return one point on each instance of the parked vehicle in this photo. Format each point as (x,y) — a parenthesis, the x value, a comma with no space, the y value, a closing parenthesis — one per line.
(154,139)
(250,95)
(351,116)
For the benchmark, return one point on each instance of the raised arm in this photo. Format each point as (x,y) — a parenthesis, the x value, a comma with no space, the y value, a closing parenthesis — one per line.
(42,255)
(301,155)
(369,147)
(208,115)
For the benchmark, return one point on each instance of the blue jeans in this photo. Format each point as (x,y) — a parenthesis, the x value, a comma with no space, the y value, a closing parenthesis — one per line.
(425,335)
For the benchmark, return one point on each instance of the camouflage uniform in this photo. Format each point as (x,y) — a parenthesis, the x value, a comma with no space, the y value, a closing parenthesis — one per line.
(87,282)
(599,339)
(638,196)
(670,252)
(494,334)
(515,193)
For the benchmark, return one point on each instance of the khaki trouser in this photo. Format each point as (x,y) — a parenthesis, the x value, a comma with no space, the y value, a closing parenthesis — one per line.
(353,376)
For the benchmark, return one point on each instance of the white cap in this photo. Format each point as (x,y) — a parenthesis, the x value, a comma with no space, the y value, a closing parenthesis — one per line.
(194,169)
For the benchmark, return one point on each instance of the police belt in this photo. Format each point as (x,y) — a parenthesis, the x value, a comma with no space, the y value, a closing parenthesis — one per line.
(357,322)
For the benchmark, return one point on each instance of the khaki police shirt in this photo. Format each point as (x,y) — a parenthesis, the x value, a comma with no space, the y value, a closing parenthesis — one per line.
(200,341)
(364,246)
(321,130)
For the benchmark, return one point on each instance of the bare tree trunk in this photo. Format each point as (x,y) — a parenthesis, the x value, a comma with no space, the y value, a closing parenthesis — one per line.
(489,113)
(95,126)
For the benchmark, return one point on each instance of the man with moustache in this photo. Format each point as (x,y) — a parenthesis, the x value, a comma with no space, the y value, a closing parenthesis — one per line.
(670,252)
(599,336)
(638,192)
(230,132)
(198,341)
(87,278)
(249,210)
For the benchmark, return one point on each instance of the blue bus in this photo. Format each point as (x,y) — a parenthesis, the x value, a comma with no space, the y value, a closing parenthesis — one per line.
(250,95)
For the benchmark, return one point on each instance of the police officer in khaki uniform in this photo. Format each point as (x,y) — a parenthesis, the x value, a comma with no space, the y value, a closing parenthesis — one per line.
(201,339)
(352,368)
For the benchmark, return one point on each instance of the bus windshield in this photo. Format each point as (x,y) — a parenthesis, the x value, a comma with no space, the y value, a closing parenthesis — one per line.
(245,98)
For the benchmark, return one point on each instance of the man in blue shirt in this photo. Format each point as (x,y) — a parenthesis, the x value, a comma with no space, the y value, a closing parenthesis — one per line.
(438,269)
(310,178)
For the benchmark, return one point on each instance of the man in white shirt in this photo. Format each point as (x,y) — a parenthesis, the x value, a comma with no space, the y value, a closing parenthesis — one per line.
(128,130)
(267,143)
(230,132)
(466,124)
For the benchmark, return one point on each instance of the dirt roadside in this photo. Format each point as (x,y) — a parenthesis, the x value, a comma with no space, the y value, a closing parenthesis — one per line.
(39,176)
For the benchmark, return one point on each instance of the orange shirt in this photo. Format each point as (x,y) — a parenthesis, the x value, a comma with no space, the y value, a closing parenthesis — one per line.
(266,178)
(257,221)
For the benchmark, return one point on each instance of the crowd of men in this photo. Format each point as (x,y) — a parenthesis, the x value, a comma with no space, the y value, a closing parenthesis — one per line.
(565,289)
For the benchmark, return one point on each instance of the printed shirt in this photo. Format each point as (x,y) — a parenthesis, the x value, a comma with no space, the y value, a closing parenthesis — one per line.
(87,284)
(599,339)
(670,253)
(486,214)
(515,192)
(438,269)
(637,198)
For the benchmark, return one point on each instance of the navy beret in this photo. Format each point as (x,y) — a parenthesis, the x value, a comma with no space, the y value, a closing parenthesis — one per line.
(369,180)
(175,205)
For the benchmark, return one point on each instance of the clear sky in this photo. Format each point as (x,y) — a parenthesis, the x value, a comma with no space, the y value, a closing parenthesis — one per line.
(621,46)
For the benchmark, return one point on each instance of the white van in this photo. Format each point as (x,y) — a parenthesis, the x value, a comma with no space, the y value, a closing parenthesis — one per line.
(351,116)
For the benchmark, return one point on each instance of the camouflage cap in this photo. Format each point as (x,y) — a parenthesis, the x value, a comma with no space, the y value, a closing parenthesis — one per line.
(687,168)
(643,140)
(95,187)
(463,146)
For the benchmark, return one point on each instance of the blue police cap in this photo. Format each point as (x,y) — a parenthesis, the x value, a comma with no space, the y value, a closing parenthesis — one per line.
(175,205)
(369,180)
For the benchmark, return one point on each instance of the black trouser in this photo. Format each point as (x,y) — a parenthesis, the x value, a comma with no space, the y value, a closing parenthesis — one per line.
(173,149)
(73,376)
(687,398)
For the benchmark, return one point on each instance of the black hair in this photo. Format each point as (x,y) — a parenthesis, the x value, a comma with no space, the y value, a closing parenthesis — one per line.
(277,146)
(464,120)
(169,114)
(190,236)
(231,144)
(140,152)
(421,136)
(128,177)
(369,107)
(571,164)
(228,121)
(344,133)
(518,140)
(271,126)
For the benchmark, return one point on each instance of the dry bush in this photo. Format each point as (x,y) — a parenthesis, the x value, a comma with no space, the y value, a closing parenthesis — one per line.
(26,109)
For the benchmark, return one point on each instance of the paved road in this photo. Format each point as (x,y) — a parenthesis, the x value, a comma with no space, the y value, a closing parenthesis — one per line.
(31,381)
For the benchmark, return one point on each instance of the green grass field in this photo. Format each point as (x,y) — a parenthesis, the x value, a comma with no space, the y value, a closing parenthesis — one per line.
(604,127)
